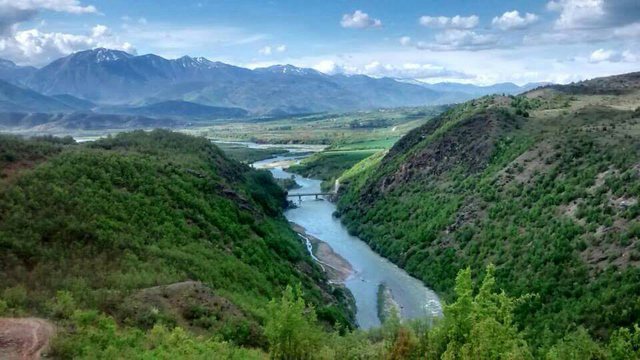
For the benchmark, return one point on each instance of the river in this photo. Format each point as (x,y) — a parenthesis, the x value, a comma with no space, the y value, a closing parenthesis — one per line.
(370,269)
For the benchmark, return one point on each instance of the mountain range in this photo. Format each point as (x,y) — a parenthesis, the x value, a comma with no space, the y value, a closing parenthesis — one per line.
(102,79)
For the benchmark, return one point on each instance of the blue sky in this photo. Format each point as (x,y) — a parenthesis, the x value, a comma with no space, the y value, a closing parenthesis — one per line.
(475,41)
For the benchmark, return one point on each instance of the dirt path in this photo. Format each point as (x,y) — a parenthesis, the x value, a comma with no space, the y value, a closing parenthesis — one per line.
(25,338)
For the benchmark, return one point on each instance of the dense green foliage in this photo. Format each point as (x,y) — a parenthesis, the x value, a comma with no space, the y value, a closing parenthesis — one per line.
(479,324)
(98,336)
(550,197)
(104,220)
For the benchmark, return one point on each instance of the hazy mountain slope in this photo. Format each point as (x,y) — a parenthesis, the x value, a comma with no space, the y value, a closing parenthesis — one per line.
(13,73)
(74,102)
(41,123)
(266,95)
(544,185)
(103,224)
(15,98)
(180,109)
(387,91)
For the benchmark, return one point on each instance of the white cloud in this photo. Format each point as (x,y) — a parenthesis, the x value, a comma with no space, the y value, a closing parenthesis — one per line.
(100,31)
(405,41)
(456,34)
(577,14)
(359,20)
(268,50)
(456,22)
(69,6)
(14,12)
(265,50)
(512,20)
(409,71)
(613,56)
(328,67)
(464,39)
(36,47)
(625,33)
(434,21)
(140,20)
(601,55)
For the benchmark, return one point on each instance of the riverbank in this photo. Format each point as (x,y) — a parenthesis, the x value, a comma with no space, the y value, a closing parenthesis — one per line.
(337,268)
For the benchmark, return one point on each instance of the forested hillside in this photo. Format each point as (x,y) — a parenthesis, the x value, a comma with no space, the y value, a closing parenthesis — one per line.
(544,185)
(143,230)
(156,245)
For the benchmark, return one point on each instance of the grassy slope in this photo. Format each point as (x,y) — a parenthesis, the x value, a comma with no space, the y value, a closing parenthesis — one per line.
(247,155)
(551,199)
(101,221)
(329,165)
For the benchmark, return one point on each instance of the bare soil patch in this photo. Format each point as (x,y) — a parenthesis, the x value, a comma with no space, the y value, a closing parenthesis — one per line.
(24,338)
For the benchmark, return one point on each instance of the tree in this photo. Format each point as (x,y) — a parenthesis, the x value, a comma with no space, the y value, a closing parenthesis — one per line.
(625,344)
(577,345)
(481,326)
(292,328)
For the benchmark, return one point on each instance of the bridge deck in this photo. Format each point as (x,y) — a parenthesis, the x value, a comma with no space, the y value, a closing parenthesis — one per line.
(310,194)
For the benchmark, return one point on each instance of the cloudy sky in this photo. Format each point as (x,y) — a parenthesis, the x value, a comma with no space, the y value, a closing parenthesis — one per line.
(473,41)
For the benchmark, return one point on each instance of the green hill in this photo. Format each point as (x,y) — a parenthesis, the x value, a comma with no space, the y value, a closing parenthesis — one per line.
(544,185)
(148,228)
(156,245)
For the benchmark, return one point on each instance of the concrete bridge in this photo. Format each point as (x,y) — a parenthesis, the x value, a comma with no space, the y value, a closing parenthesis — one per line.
(317,195)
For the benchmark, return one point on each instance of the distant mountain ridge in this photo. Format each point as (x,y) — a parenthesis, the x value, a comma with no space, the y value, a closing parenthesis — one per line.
(180,108)
(112,77)
(104,79)
(13,73)
(460,92)
(44,123)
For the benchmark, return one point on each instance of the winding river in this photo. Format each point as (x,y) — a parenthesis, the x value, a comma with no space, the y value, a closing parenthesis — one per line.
(370,269)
